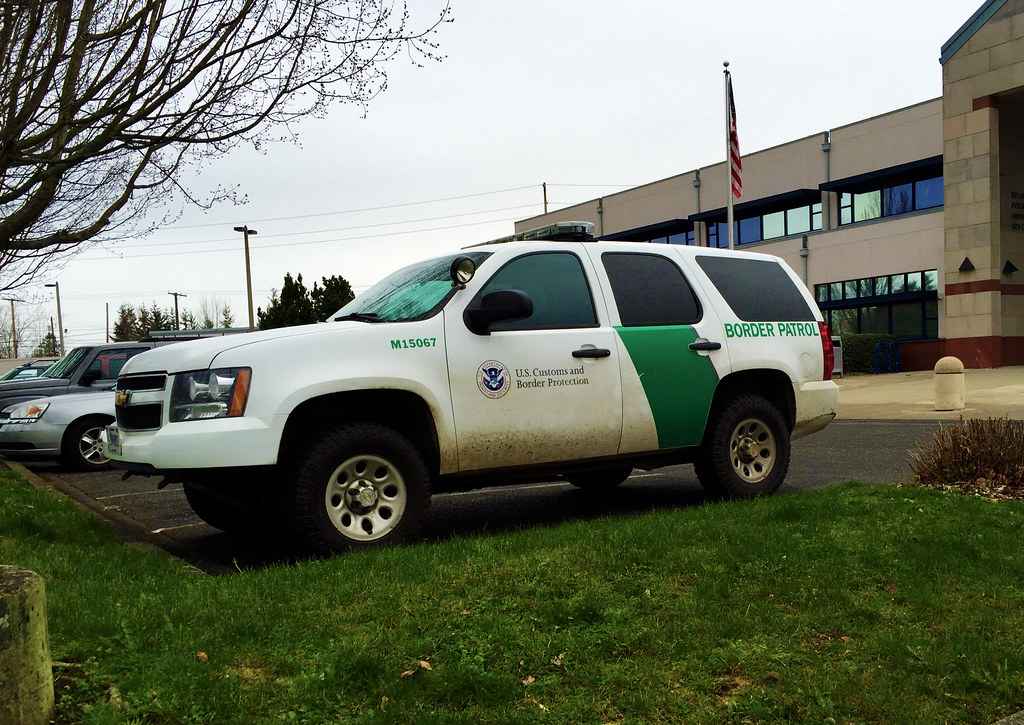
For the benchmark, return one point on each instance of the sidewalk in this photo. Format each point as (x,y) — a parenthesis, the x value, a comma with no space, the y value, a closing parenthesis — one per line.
(996,393)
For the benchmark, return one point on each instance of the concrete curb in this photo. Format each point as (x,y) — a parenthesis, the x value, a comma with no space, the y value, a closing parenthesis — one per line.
(127,529)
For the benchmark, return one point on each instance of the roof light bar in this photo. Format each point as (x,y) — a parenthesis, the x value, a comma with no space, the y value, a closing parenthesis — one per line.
(557,232)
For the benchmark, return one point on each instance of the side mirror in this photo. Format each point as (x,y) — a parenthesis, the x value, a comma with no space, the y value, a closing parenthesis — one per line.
(462,271)
(501,306)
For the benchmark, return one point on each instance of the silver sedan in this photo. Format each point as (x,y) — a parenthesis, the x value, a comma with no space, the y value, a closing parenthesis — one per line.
(64,427)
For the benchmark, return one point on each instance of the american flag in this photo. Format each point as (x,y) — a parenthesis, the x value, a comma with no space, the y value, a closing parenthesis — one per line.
(735,160)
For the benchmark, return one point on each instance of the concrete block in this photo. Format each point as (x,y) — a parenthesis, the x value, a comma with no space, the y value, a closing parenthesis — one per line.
(956,215)
(956,171)
(967,66)
(26,675)
(980,212)
(957,99)
(953,127)
(1017,26)
(980,167)
(1000,80)
(965,192)
(976,121)
(992,33)
(980,143)
(1007,53)
(982,190)
(954,305)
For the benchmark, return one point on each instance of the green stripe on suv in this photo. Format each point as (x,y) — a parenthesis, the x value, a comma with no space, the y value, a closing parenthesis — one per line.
(679,383)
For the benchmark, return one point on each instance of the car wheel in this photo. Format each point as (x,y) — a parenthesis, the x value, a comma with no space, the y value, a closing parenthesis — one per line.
(747,450)
(217,512)
(600,479)
(81,447)
(360,485)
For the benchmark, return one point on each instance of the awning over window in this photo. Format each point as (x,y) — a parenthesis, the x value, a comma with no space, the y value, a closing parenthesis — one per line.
(651,231)
(913,171)
(767,205)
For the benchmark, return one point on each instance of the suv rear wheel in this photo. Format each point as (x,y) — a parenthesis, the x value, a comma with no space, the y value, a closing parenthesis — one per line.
(746,452)
(360,485)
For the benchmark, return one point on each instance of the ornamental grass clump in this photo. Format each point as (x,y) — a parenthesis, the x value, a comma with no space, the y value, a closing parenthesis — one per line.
(983,457)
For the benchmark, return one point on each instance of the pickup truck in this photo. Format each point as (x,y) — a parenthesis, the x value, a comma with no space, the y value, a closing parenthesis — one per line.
(504,362)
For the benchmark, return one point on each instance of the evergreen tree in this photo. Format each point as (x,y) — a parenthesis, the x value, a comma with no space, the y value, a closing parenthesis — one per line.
(127,326)
(160,318)
(335,294)
(145,322)
(227,319)
(188,320)
(47,347)
(292,306)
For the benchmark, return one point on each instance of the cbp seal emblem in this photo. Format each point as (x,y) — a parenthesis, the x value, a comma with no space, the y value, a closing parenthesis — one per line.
(493,379)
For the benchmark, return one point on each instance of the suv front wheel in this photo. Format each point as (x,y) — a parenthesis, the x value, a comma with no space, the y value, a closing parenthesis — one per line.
(746,451)
(360,485)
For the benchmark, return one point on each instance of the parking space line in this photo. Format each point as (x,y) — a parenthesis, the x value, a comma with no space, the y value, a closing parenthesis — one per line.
(136,493)
(165,529)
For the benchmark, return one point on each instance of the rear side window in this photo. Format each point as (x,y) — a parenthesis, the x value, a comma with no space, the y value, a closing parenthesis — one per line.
(650,290)
(757,290)
(556,283)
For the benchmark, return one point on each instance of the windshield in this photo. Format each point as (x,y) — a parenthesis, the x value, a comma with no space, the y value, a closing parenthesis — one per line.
(411,293)
(64,367)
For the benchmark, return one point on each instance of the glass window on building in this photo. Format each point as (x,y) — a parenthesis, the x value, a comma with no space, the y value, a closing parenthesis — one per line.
(798,221)
(929,193)
(816,224)
(749,230)
(774,225)
(898,199)
(846,209)
(867,206)
(903,305)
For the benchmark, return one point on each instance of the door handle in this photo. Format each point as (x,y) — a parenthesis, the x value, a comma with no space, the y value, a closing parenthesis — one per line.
(702,345)
(592,352)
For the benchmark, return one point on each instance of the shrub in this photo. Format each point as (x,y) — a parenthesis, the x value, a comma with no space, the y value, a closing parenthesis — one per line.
(980,456)
(858,351)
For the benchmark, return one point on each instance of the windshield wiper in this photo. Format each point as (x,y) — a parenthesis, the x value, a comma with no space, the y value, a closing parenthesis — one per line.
(360,317)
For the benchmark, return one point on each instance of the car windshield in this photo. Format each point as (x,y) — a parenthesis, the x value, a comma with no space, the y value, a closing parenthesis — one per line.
(411,293)
(65,367)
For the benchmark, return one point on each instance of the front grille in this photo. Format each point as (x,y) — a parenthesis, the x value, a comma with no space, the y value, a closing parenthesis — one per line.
(139,417)
(142,382)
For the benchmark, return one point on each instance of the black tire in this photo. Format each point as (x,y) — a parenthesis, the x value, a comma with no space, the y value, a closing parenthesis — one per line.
(71,452)
(344,446)
(601,479)
(725,471)
(218,512)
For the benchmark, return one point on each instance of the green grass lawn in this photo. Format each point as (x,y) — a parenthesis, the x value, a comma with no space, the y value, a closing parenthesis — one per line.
(849,604)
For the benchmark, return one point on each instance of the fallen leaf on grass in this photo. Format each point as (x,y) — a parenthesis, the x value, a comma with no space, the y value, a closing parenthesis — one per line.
(384,702)
(538,703)
(558,660)
(202,656)
(424,665)
(528,680)
(407,674)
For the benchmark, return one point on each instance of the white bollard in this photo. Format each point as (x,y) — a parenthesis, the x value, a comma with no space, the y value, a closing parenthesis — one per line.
(950,384)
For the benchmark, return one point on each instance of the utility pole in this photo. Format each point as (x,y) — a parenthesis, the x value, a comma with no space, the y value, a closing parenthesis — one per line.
(108,322)
(176,295)
(60,319)
(544,186)
(53,336)
(14,326)
(246,231)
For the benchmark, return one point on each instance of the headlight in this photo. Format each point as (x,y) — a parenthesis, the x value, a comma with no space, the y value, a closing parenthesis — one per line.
(28,412)
(206,394)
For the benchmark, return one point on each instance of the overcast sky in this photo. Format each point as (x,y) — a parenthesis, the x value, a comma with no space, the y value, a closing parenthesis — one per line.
(572,92)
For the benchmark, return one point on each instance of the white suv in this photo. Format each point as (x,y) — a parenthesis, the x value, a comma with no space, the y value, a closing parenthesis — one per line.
(505,362)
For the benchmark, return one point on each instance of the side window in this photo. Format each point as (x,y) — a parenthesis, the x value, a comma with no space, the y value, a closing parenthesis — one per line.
(108,363)
(650,290)
(757,290)
(556,283)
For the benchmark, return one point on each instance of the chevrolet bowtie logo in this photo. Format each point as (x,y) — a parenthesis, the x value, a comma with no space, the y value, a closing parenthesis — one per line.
(122,398)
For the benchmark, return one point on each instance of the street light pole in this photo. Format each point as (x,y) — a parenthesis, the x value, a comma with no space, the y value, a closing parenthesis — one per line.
(246,231)
(60,318)
(14,327)
(176,295)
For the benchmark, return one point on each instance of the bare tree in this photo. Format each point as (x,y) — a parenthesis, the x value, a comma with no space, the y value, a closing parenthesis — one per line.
(210,311)
(28,330)
(104,104)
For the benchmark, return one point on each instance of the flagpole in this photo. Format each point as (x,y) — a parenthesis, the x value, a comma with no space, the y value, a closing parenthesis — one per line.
(728,160)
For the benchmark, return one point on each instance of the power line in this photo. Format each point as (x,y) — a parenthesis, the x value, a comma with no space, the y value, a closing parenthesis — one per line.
(297,244)
(363,209)
(340,229)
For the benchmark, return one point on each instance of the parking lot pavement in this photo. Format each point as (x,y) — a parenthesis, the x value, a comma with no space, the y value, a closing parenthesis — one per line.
(872,452)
